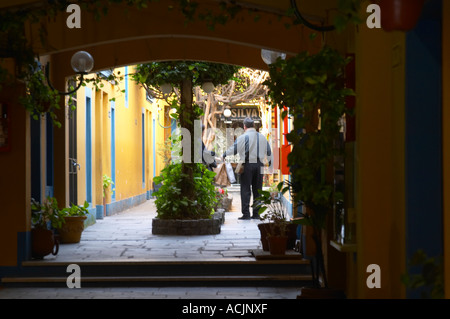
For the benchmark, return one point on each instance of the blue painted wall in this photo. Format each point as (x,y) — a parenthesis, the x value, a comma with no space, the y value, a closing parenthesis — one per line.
(424,134)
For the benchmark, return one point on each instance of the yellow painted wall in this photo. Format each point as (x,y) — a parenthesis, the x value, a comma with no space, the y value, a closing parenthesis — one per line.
(380,188)
(15,172)
(128,126)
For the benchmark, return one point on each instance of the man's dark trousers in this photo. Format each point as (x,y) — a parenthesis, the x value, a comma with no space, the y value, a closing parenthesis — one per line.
(251,182)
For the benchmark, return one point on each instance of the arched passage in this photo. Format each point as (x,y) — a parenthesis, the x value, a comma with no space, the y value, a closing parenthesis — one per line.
(127,36)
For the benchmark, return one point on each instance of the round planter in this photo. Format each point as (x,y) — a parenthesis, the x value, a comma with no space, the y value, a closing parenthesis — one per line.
(277,244)
(399,15)
(186,227)
(43,243)
(71,230)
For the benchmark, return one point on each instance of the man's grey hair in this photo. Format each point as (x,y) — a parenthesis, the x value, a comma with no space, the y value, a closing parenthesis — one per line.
(248,122)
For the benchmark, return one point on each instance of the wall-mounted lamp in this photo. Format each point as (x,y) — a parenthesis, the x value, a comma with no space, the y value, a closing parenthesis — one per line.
(208,87)
(270,57)
(227,112)
(172,111)
(82,63)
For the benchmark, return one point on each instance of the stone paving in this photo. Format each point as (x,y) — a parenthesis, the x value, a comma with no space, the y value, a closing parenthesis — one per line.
(152,293)
(128,236)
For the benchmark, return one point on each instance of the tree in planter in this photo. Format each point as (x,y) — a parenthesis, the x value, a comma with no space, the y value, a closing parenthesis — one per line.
(173,203)
(313,89)
(184,76)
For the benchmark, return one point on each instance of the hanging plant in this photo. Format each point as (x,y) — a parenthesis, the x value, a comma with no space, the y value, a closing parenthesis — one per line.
(40,98)
(313,90)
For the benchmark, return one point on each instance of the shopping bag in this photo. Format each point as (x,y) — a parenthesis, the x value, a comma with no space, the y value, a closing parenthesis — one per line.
(230,173)
(240,168)
(221,177)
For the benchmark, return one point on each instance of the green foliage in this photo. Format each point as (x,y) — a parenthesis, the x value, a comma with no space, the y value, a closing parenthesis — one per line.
(313,89)
(46,214)
(14,42)
(40,98)
(75,210)
(165,151)
(431,276)
(157,73)
(272,210)
(172,203)
(107,181)
(348,14)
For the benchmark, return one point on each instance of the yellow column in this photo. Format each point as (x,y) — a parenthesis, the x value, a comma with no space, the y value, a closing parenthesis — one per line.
(60,137)
(380,143)
(97,159)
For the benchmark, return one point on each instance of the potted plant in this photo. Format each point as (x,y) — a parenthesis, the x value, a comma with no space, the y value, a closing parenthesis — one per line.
(44,219)
(177,213)
(312,87)
(40,98)
(273,212)
(107,182)
(73,225)
(275,229)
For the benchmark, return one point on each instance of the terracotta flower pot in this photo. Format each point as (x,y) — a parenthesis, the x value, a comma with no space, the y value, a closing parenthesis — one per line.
(277,244)
(43,243)
(399,15)
(71,231)
(264,229)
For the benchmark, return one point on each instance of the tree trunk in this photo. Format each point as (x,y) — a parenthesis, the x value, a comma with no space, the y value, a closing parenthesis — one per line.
(187,122)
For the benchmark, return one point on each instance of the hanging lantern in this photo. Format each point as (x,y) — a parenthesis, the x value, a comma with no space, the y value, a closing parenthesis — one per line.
(399,15)
(208,87)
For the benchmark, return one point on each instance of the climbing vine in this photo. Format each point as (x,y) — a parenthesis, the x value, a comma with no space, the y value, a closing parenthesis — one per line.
(14,43)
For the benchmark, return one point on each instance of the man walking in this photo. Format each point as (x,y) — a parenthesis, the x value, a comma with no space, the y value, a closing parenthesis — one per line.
(253,148)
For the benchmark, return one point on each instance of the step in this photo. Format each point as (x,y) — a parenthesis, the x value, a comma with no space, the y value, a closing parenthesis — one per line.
(163,273)
(161,281)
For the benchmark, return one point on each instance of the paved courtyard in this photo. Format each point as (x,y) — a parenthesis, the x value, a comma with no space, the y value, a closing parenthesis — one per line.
(128,236)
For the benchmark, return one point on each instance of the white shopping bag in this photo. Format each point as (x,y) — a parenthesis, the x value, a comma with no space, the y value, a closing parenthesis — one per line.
(230,173)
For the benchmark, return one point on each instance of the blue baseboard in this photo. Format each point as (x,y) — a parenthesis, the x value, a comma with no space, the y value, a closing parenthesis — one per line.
(23,254)
(124,204)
